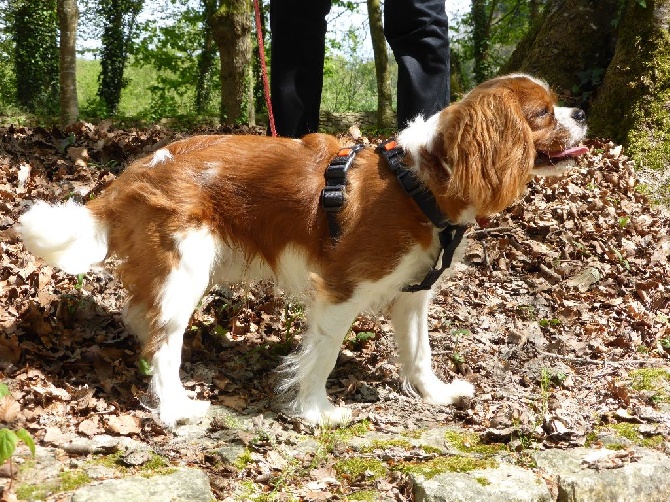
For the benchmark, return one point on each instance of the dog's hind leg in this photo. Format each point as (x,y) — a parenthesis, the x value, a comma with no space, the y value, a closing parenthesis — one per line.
(409,315)
(179,295)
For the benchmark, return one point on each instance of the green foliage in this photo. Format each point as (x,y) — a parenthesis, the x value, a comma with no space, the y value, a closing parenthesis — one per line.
(173,51)
(9,437)
(34,28)
(8,440)
(349,78)
(119,18)
(502,24)
(7,75)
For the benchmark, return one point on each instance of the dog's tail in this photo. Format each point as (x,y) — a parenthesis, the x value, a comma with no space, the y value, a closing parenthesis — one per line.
(67,236)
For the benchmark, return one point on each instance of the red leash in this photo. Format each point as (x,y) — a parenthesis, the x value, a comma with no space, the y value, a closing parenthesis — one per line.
(264,68)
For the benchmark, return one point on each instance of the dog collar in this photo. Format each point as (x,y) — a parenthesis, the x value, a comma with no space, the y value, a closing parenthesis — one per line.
(450,234)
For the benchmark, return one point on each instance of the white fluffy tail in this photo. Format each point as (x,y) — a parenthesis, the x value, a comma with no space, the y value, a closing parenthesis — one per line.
(66,236)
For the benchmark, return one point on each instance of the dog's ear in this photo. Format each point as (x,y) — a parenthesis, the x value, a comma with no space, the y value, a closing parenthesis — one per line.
(487,145)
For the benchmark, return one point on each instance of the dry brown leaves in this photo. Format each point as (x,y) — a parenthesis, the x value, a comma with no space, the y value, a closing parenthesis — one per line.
(564,295)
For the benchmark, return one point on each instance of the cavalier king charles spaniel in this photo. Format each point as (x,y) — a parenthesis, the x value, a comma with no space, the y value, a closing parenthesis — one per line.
(221,209)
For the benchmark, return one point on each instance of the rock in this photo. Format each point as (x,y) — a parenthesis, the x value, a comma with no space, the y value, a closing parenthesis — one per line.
(645,478)
(230,453)
(184,484)
(507,482)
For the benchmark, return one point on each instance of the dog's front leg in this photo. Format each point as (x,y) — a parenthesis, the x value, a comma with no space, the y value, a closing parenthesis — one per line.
(306,372)
(409,315)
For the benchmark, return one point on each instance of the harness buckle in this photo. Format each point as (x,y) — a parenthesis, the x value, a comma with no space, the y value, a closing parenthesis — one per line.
(334,192)
(332,198)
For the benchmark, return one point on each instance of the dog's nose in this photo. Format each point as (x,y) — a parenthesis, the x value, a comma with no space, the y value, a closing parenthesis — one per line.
(578,115)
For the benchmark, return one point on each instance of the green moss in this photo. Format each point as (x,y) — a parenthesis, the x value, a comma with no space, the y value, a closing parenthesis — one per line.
(415,434)
(330,437)
(69,481)
(452,463)
(656,380)
(364,495)
(243,460)
(632,433)
(482,480)
(27,491)
(357,467)
(430,449)
(384,444)
(155,466)
(469,442)
(630,106)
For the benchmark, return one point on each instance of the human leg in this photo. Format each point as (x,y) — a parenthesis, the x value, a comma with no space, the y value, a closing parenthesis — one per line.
(417,31)
(298,48)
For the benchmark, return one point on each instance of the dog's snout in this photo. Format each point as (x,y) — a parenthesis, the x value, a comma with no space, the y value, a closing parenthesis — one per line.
(578,115)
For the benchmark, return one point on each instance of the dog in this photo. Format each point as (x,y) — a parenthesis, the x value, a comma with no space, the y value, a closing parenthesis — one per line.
(220,209)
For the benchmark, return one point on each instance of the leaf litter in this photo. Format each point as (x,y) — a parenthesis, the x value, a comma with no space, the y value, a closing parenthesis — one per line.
(561,299)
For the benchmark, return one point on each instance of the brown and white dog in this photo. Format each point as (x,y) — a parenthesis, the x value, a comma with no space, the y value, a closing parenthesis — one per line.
(220,209)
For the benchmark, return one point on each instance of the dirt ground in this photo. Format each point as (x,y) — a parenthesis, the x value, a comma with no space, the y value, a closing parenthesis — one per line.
(559,316)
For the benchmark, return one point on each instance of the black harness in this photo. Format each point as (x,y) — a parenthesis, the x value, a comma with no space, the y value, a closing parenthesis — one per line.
(333,197)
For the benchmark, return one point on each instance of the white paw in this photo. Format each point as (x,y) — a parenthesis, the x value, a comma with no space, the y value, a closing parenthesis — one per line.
(441,393)
(174,411)
(326,415)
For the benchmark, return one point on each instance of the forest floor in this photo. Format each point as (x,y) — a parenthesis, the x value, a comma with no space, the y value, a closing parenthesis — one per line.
(560,316)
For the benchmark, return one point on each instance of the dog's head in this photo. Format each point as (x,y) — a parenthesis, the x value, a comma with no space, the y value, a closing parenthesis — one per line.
(498,136)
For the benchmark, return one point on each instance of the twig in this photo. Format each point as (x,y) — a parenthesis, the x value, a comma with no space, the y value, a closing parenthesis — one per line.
(571,358)
(604,362)
(492,229)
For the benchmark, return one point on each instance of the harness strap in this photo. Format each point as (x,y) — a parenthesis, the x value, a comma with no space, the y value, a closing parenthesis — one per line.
(450,235)
(334,193)
(423,197)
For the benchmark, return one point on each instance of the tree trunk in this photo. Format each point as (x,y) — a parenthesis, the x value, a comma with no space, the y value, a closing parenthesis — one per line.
(119,18)
(632,104)
(231,27)
(35,32)
(481,29)
(68,15)
(385,116)
(569,45)
(203,89)
(534,9)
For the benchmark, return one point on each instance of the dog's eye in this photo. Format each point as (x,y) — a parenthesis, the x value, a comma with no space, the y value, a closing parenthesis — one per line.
(544,112)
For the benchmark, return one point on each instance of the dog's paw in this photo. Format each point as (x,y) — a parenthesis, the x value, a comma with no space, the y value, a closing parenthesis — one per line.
(453,393)
(182,410)
(327,416)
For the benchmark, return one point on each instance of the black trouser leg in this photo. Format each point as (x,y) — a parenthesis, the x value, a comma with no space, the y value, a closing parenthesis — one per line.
(417,31)
(298,48)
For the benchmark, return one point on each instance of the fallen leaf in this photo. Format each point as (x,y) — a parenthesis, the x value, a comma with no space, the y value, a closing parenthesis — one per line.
(123,424)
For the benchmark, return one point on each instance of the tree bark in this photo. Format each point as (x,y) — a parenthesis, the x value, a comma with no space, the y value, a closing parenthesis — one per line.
(203,89)
(231,27)
(632,104)
(534,9)
(68,16)
(385,116)
(569,45)
(480,40)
